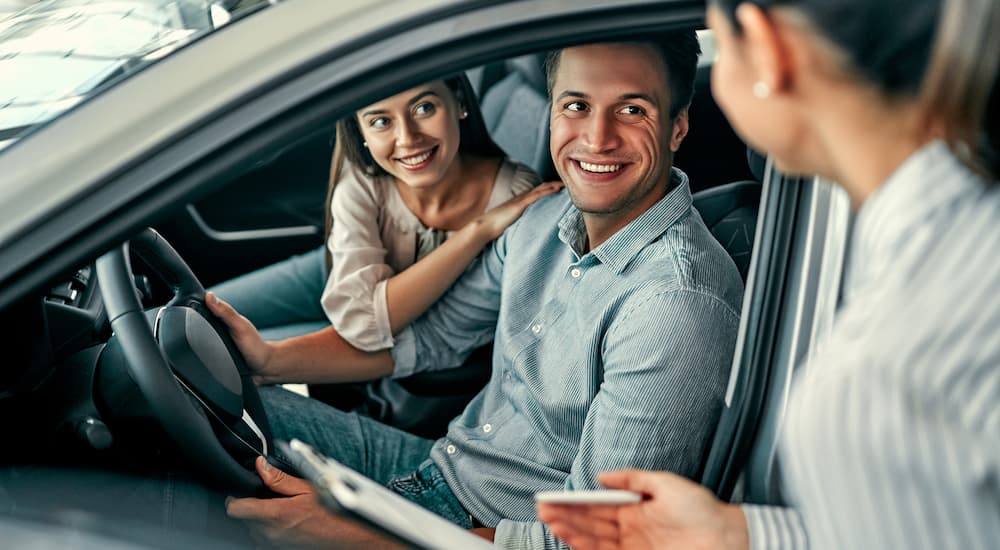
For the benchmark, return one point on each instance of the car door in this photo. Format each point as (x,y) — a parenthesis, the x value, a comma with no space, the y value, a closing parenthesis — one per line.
(791,296)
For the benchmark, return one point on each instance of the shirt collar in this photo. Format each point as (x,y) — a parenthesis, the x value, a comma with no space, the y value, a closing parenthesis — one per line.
(623,246)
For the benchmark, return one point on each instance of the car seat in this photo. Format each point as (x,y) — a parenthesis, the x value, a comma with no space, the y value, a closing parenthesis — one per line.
(516,110)
(730,212)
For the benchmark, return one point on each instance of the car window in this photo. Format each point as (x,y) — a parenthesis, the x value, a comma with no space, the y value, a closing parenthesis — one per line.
(56,53)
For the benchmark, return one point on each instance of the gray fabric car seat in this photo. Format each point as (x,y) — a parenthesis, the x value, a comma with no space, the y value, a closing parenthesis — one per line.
(516,111)
(730,212)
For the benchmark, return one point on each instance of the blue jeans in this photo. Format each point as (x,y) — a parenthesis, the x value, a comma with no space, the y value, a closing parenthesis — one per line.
(394,458)
(282,299)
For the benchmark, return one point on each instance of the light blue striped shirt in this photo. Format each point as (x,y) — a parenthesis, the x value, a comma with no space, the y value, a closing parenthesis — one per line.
(892,438)
(613,358)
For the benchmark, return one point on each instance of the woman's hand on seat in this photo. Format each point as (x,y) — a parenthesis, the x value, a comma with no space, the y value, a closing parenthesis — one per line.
(495,221)
(257,352)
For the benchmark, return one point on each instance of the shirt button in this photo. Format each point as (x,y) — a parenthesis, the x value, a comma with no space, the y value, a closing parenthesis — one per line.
(487,428)
(451,449)
(536,328)
(507,375)
(575,272)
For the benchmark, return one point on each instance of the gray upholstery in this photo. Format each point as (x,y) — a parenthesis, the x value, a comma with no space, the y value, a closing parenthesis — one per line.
(516,110)
(730,212)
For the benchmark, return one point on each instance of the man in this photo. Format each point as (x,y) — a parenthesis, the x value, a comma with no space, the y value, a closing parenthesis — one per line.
(613,310)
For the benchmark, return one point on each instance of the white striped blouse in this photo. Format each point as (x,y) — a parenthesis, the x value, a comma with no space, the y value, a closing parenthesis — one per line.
(892,438)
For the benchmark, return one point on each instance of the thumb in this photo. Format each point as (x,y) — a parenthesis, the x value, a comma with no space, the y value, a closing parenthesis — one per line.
(629,480)
(219,307)
(280,482)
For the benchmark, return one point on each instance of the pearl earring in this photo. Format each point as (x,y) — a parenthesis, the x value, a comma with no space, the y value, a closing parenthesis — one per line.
(365,144)
(761,90)
(463,114)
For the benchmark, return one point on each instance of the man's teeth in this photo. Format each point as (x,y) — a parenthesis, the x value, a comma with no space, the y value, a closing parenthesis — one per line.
(600,168)
(416,159)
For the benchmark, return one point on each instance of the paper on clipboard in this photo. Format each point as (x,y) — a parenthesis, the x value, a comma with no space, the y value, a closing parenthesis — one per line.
(356,493)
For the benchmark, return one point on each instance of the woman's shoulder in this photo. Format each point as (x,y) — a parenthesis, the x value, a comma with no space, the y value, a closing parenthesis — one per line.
(354,185)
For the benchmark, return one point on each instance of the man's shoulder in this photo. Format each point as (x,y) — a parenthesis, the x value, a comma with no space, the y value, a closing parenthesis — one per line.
(546,211)
(689,259)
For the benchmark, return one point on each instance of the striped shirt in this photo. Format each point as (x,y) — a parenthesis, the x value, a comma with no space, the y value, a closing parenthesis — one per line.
(892,437)
(617,357)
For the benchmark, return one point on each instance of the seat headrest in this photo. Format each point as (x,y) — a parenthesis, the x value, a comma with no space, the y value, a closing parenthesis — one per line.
(532,68)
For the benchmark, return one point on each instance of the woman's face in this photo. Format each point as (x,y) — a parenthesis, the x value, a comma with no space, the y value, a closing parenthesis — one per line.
(732,80)
(767,124)
(414,135)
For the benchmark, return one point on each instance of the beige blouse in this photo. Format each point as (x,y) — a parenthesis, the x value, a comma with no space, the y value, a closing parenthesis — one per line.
(375,236)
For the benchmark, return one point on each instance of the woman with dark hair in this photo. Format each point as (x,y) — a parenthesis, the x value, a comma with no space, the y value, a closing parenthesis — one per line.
(417,189)
(891,429)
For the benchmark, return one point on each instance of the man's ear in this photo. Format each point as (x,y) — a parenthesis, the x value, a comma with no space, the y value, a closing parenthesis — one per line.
(680,130)
(767,51)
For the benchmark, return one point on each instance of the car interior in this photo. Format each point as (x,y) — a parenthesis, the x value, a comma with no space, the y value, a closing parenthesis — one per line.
(514,101)
(65,386)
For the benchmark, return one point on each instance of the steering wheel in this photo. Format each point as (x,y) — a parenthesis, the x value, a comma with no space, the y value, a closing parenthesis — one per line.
(187,368)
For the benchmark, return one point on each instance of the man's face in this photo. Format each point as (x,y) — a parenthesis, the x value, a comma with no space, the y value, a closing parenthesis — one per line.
(611,133)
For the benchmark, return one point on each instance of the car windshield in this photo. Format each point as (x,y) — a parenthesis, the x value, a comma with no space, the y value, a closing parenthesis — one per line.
(56,53)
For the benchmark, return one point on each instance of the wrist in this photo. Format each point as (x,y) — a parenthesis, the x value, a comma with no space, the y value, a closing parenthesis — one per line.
(263,366)
(735,533)
(478,232)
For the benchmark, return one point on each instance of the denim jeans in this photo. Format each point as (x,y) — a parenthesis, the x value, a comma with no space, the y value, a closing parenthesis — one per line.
(392,457)
(282,299)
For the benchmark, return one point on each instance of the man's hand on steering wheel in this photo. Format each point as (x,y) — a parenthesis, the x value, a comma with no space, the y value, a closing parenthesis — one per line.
(257,352)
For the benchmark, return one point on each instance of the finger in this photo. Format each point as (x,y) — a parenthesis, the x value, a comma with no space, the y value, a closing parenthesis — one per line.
(251,508)
(547,188)
(629,480)
(221,309)
(574,512)
(650,484)
(529,198)
(589,518)
(279,481)
(238,325)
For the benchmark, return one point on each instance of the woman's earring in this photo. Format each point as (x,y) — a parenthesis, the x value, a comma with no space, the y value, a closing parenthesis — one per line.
(463,114)
(365,144)
(761,90)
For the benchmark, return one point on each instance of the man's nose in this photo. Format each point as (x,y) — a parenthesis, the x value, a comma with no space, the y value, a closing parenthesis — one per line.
(600,134)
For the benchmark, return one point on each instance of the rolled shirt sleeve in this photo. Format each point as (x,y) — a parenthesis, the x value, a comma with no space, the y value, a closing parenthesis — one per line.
(355,295)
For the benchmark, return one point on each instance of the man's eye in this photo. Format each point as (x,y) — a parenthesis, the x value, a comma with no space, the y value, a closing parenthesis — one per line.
(576,106)
(632,110)
(424,109)
(379,123)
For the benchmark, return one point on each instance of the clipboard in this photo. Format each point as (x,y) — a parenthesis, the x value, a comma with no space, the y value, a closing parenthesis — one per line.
(344,490)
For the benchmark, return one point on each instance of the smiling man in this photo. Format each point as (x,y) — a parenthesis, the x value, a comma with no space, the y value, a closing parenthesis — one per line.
(614,133)
(613,310)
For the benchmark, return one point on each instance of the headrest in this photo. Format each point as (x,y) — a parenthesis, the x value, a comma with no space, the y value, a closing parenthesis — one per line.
(532,68)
